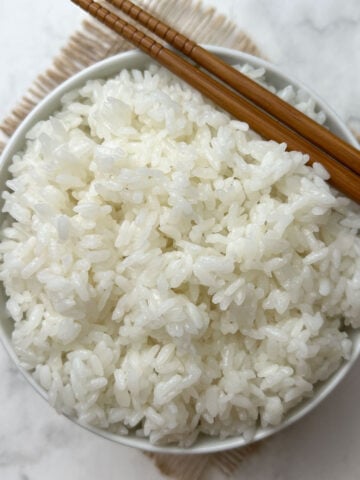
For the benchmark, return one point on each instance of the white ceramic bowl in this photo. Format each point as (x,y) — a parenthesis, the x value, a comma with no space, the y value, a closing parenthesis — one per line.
(111,67)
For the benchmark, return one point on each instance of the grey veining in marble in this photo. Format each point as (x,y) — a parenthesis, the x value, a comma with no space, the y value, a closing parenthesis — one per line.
(317,41)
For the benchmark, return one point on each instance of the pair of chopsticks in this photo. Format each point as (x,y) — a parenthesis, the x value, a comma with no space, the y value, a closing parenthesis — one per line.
(266,113)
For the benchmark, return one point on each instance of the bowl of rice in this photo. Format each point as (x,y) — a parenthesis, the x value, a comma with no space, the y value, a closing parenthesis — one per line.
(172,281)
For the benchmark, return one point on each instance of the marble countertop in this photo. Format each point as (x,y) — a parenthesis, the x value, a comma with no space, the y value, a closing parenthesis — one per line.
(319,43)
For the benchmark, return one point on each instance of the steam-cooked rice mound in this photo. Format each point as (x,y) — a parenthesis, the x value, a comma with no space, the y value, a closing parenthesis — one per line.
(170,272)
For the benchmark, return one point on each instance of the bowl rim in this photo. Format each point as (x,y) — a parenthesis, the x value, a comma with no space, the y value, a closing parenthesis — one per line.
(15,143)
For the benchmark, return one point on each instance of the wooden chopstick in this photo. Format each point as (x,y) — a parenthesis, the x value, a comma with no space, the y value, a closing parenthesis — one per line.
(286,113)
(341,177)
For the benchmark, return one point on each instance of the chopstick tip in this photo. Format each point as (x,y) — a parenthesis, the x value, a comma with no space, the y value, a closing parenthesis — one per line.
(82,3)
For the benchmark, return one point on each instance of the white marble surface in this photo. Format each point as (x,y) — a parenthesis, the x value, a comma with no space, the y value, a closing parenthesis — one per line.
(316,41)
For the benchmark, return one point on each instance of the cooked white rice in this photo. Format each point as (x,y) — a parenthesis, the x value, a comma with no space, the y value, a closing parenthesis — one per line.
(170,272)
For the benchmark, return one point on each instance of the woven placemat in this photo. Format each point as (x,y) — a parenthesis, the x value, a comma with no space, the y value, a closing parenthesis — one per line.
(92,43)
